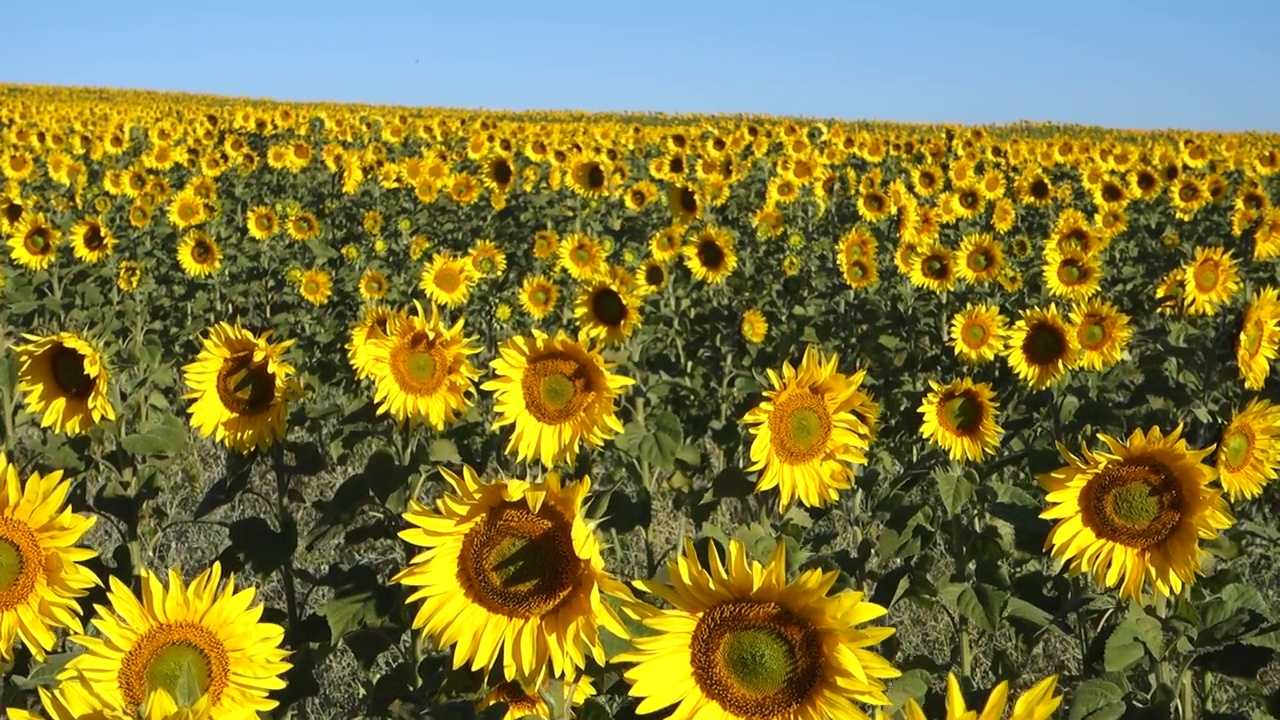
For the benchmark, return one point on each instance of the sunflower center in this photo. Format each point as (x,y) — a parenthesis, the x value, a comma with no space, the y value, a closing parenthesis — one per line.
(1093,335)
(185,659)
(502,172)
(711,255)
(979,260)
(1187,193)
(935,268)
(608,308)
(688,201)
(581,256)
(1136,502)
(1039,189)
(1044,344)
(654,275)
(311,287)
(448,280)
(1070,273)
(1206,277)
(800,425)
(262,223)
(755,659)
(519,703)
(856,270)
(200,252)
(594,177)
(418,365)
(961,414)
(486,265)
(558,388)
(93,239)
(975,335)
(69,372)
(521,563)
(1237,444)
(21,562)
(541,297)
(38,241)
(1251,338)
(246,387)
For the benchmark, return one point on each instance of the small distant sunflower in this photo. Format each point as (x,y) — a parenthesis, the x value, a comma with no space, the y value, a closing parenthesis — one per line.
(607,312)
(640,195)
(1209,280)
(1072,275)
(754,326)
(302,225)
(666,244)
(961,419)
(240,386)
(91,241)
(1248,455)
(589,177)
(741,643)
(1187,195)
(128,275)
(806,435)
(651,277)
(710,255)
(487,259)
(65,382)
(1135,512)
(186,210)
(981,259)
(315,286)
(198,254)
(933,268)
(201,647)
(581,256)
(558,394)
(1101,332)
(34,241)
(373,285)
(448,280)
(1037,703)
(546,243)
(263,223)
(1040,347)
(422,368)
(978,333)
(1259,341)
(523,700)
(538,296)
(40,572)
(873,205)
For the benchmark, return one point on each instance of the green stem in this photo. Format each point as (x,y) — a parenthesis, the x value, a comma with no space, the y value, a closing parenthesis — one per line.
(284,518)
(1187,702)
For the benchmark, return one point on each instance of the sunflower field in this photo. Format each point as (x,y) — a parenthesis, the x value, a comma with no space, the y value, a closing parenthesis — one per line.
(336,411)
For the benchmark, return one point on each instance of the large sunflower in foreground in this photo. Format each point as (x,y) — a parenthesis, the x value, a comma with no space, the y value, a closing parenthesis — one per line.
(65,382)
(40,574)
(607,312)
(1041,348)
(422,368)
(1134,512)
(806,431)
(961,419)
(741,643)
(558,394)
(183,646)
(511,574)
(1037,703)
(1249,453)
(1209,280)
(1259,341)
(240,386)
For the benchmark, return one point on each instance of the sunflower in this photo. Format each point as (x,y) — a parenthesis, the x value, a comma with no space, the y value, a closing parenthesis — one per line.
(589,177)
(262,222)
(315,286)
(521,700)
(184,646)
(1033,188)
(128,275)
(373,285)
(198,254)
(933,268)
(1134,512)
(91,241)
(538,296)
(581,256)
(546,243)
(873,205)
(557,393)
(607,312)
(1040,347)
(754,326)
(1209,280)
(806,436)
(710,255)
(650,277)
(978,333)
(981,258)
(640,195)
(376,323)
(240,387)
(1037,703)
(1248,455)
(65,382)
(1169,292)
(685,207)
(512,574)
(1187,195)
(499,173)
(666,244)
(740,643)
(34,242)
(961,419)
(186,210)
(40,571)
(1259,340)
(448,279)
(1101,332)
(486,259)
(421,368)
(302,225)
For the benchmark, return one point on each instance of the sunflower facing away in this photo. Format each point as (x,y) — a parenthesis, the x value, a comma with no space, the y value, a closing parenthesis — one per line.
(184,646)
(806,433)
(1209,281)
(422,368)
(1259,341)
(511,575)
(978,333)
(1248,455)
(1040,347)
(1134,512)
(558,394)
(40,574)
(607,312)
(65,382)
(961,419)
(1037,703)
(741,643)
(240,387)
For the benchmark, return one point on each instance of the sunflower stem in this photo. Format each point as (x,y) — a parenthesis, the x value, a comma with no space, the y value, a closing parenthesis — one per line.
(284,518)
(1187,701)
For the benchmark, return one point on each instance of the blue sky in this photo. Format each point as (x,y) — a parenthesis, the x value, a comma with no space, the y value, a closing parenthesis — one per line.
(1122,63)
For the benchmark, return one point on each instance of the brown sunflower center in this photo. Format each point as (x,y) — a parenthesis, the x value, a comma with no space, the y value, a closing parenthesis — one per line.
(448,280)
(519,703)
(558,388)
(800,425)
(980,260)
(1206,277)
(93,238)
(201,252)
(502,172)
(1237,447)
(1146,181)
(1044,344)
(1136,502)
(187,212)
(654,275)
(711,255)
(961,414)
(373,285)
(1188,193)
(1112,193)
(521,563)
(975,334)
(38,241)
(608,307)
(263,223)
(185,659)
(755,659)
(1093,334)
(969,200)
(1071,272)
(246,387)
(21,562)
(68,367)
(936,267)
(1040,189)
(580,256)
(418,365)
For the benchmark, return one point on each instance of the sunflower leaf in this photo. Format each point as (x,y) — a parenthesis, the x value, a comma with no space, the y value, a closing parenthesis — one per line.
(1097,700)
(955,489)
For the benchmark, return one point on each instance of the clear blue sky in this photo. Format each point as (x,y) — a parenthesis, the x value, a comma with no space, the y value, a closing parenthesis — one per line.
(1127,63)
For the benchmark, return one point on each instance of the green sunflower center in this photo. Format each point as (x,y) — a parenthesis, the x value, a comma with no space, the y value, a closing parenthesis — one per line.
(21,561)
(418,365)
(758,659)
(183,658)
(1136,502)
(520,563)
(486,265)
(448,280)
(558,388)
(1093,335)
(581,256)
(1251,338)
(311,287)
(262,223)
(962,414)
(557,391)
(856,271)
(182,671)
(1045,344)
(1238,447)
(800,426)
(1070,273)
(38,241)
(11,564)
(69,372)
(1206,277)
(541,297)
(935,267)
(608,307)
(975,335)
(979,260)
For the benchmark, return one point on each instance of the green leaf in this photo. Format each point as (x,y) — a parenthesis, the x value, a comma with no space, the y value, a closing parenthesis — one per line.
(444,452)
(661,445)
(46,673)
(167,437)
(955,489)
(1097,700)
(911,686)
